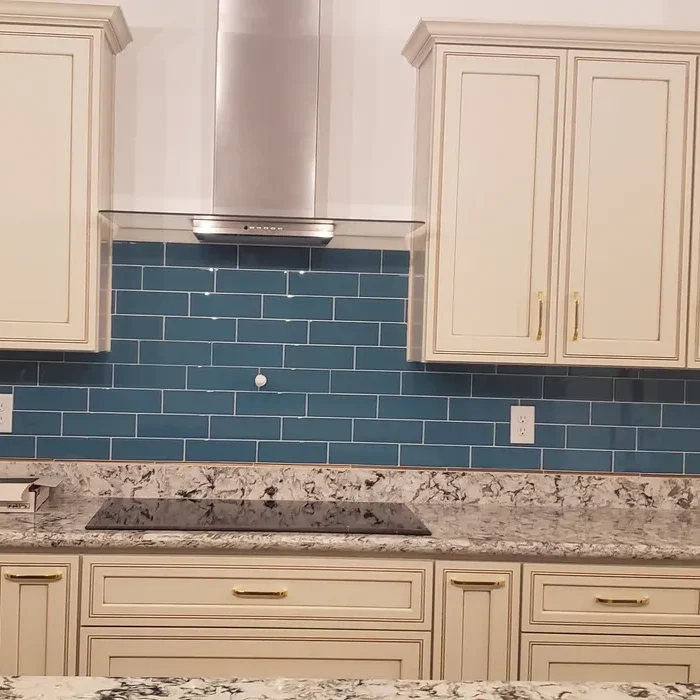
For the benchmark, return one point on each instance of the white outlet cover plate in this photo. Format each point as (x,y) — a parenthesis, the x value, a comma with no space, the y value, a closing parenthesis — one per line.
(522,425)
(6,401)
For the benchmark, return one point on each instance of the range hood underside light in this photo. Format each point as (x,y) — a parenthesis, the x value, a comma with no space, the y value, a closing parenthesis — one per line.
(278,232)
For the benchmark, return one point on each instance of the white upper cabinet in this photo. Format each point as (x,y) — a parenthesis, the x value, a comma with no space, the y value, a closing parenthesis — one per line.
(56,144)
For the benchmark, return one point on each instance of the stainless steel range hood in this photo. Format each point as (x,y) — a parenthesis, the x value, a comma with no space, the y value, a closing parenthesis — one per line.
(265,178)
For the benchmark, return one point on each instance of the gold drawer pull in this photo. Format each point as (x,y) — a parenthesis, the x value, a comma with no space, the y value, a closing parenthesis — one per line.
(461,583)
(644,600)
(577,305)
(260,594)
(34,578)
(540,315)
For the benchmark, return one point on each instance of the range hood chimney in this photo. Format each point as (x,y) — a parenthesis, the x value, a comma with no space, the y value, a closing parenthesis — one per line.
(266,135)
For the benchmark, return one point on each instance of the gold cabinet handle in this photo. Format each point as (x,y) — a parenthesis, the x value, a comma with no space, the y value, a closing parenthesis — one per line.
(34,578)
(540,311)
(577,307)
(644,600)
(461,583)
(282,593)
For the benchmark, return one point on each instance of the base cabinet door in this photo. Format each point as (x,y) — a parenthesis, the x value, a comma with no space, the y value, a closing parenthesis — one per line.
(254,653)
(583,657)
(38,615)
(476,621)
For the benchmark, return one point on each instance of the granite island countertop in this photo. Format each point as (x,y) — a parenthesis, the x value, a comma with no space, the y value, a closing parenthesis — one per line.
(27,688)
(458,530)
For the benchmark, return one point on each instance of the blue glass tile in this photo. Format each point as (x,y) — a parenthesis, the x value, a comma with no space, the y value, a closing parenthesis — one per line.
(363,453)
(433,456)
(395,261)
(19,372)
(75,374)
(339,260)
(561,412)
(220,378)
(126,277)
(319,357)
(123,352)
(434,384)
(649,462)
(226,305)
(36,423)
(603,372)
(50,399)
(681,416)
(445,433)
(398,431)
(668,440)
(269,404)
(182,279)
(459,367)
(577,460)
(319,429)
(343,333)
(545,435)
(692,392)
(384,358)
(522,387)
(133,253)
(31,355)
(152,303)
(303,308)
(417,407)
(170,352)
(205,329)
(267,331)
(296,380)
(220,450)
(633,414)
(137,327)
(149,377)
(342,406)
(99,424)
(649,390)
(16,446)
(247,355)
(252,281)
(273,258)
(173,426)
(596,438)
(349,309)
(505,458)
(72,448)
(199,402)
(536,370)
(145,449)
(692,462)
(246,428)
(323,284)
(201,255)
(125,401)
(394,286)
(293,452)
(359,382)
(578,388)
(489,410)
(393,335)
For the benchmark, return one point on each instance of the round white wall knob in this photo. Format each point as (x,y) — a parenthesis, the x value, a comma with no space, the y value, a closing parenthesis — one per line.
(260,381)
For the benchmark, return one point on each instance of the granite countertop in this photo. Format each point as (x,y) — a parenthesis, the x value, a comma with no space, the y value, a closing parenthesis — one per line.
(458,530)
(26,688)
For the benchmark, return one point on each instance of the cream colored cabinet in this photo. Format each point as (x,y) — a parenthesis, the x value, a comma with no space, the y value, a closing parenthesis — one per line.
(56,141)
(476,621)
(38,615)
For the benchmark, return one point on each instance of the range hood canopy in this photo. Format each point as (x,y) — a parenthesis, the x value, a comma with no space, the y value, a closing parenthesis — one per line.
(266,135)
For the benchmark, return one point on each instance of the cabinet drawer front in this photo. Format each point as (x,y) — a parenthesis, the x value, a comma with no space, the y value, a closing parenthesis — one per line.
(601,599)
(252,591)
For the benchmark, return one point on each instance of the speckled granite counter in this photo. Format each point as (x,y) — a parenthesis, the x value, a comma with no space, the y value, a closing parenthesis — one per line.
(184,689)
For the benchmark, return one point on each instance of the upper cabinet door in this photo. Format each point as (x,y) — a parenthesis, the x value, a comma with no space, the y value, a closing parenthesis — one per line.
(494,243)
(626,211)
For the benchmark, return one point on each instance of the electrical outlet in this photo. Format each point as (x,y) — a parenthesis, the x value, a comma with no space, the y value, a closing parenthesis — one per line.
(522,425)
(6,413)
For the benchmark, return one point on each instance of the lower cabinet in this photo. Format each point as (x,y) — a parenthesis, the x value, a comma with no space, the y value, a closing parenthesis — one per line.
(608,658)
(38,615)
(254,653)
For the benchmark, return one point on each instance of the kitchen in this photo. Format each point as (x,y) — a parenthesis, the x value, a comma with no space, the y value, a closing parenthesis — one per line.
(501,489)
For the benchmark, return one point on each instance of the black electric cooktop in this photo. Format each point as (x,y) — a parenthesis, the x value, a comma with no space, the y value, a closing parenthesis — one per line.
(209,515)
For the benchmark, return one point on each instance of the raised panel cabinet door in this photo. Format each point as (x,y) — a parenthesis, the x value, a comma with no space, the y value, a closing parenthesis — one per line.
(626,212)
(494,252)
(476,622)
(609,658)
(38,616)
(111,651)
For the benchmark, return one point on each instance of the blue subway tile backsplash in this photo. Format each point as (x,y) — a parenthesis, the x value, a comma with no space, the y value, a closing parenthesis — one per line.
(194,324)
